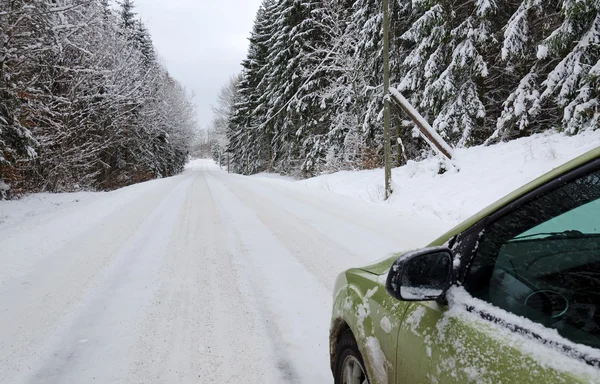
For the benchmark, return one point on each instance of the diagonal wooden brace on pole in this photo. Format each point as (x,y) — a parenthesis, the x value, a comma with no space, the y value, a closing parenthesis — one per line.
(428,133)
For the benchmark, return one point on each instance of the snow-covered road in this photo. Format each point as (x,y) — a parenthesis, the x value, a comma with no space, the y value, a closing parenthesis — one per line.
(201,278)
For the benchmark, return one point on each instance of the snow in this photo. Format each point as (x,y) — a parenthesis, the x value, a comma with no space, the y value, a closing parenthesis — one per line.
(385,324)
(38,205)
(545,351)
(373,354)
(273,176)
(542,51)
(377,359)
(484,6)
(227,277)
(480,176)
(456,262)
(204,275)
(414,293)
(414,319)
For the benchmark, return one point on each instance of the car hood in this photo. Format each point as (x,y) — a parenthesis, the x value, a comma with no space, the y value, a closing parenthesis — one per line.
(383,266)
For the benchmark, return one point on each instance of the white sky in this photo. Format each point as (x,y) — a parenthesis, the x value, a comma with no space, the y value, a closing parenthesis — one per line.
(201,42)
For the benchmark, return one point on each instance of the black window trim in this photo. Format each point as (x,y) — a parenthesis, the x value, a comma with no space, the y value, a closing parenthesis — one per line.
(466,245)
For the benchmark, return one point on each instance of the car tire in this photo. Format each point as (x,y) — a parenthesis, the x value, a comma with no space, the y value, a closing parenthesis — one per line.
(348,356)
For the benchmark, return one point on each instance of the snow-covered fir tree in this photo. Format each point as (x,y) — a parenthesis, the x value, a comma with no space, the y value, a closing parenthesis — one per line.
(250,134)
(573,81)
(523,71)
(311,95)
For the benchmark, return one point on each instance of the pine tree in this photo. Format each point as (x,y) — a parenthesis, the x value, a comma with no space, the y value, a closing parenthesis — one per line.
(223,113)
(366,25)
(457,87)
(570,82)
(315,38)
(283,81)
(250,134)
(310,98)
(447,64)
(338,97)
(128,19)
(143,42)
(523,71)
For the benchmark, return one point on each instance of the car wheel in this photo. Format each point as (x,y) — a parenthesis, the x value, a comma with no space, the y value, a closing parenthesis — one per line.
(349,364)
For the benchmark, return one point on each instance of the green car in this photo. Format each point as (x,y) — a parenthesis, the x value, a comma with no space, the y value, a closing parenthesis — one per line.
(511,295)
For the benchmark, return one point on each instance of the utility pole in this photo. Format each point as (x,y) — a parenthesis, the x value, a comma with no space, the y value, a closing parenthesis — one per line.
(386,103)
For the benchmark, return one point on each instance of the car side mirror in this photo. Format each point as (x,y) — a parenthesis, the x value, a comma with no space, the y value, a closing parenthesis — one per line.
(422,275)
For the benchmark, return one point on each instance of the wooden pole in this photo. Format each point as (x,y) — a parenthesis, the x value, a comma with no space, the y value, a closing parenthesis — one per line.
(386,103)
(431,136)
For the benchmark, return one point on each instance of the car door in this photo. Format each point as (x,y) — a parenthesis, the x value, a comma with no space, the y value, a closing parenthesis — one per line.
(526,303)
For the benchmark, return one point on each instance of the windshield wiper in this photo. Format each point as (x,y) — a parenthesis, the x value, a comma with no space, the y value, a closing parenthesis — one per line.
(568,234)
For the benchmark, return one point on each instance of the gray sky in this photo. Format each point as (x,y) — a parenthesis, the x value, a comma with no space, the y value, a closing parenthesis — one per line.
(202,42)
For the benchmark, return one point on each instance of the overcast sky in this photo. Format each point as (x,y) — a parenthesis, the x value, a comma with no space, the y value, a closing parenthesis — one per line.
(202,42)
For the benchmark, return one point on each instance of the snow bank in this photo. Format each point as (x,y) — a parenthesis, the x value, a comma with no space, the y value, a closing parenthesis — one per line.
(482,176)
(13,212)
(267,175)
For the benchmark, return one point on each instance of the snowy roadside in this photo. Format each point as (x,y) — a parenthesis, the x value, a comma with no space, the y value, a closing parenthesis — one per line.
(40,207)
(13,212)
(484,175)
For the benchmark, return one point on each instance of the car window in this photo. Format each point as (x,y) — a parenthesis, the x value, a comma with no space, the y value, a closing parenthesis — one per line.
(542,261)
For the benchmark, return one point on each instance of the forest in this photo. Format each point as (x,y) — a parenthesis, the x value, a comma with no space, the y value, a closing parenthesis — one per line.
(310,96)
(85,103)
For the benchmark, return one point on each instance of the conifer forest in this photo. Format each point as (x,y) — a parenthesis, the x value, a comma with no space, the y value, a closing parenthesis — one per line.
(310,96)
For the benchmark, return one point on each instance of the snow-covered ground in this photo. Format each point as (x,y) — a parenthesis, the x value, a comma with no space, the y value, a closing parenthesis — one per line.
(219,278)
(204,277)
(482,175)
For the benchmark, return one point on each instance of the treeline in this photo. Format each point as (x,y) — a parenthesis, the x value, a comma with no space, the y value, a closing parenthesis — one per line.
(310,96)
(84,102)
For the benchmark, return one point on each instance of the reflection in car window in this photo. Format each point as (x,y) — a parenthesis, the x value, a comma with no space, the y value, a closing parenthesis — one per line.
(542,261)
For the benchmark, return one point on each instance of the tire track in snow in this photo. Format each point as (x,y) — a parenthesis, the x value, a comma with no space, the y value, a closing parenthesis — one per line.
(227,280)
(203,327)
(377,234)
(96,333)
(373,219)
(39,303)
(294,303)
